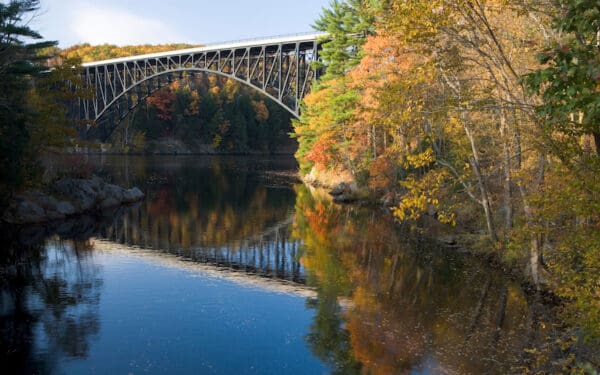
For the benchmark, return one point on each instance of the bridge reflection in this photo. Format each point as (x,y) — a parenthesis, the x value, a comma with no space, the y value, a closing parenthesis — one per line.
(269,253)
(248,276)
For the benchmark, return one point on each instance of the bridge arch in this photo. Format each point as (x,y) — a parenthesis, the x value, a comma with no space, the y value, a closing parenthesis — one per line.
(280,68)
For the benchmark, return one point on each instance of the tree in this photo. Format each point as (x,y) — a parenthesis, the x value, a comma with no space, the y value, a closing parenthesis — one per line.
(322,130)
(570,81)
(569,84)
(347,23)
(20,62)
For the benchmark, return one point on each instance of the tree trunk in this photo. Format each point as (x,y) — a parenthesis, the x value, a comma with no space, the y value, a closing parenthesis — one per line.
(374,142)
(534,260)
(536,240)
(485,201)
(508,212)
(597,142)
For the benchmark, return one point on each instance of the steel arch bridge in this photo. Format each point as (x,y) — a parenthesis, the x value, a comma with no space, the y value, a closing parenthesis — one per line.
(279,67)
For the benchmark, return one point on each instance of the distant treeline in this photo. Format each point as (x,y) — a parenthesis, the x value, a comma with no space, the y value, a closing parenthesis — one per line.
(87,52)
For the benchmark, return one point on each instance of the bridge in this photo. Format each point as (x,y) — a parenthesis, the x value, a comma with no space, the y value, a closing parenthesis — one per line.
(279,67)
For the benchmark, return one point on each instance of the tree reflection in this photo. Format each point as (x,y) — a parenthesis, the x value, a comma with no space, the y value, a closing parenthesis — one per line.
(198,201)
(410,305)
(222,211)
(49,297)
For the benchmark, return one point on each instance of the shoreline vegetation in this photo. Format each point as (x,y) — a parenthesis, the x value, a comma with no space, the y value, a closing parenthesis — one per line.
(489,126)
(482,117)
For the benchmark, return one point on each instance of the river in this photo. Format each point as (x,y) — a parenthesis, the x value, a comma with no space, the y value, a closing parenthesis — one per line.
(230,267)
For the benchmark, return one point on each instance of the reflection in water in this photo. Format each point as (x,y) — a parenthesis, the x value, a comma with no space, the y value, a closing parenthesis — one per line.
(48,305)
(380,300)
(228,212)
(414,307)
(223,212)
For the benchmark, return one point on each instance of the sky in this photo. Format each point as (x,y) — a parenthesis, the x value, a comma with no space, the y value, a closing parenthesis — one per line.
(125,22)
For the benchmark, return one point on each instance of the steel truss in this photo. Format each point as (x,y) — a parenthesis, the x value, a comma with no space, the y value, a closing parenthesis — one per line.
(280,69)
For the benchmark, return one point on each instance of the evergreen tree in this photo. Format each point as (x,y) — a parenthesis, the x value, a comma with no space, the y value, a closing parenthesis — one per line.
(348,23)
(322,130)
(19,63)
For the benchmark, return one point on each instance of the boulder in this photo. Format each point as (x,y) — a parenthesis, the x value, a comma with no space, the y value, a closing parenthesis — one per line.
(78,191)
(47,202)
(25,212)
(55,215)
(54,209)
(132,195)
(344,188)
(107,191)
(65,208)
(77,196)
(108,203)
(64,228)
(344,192)
(345,198)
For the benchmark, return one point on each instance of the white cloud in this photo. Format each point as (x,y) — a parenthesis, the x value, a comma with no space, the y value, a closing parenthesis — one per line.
(98,25)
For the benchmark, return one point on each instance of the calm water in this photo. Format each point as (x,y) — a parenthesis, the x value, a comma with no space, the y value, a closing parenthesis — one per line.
(228,267)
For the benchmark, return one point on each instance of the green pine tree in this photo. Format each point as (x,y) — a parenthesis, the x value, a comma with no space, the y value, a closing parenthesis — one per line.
(20,62)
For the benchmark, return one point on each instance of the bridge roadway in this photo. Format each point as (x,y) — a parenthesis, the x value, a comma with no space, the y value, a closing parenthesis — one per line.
(279,67)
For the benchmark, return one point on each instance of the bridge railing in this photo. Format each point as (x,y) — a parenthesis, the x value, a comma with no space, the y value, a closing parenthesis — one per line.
(260,38)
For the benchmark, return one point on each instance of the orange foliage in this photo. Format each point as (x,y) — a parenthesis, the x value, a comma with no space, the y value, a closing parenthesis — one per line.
(163,101)
(322,152)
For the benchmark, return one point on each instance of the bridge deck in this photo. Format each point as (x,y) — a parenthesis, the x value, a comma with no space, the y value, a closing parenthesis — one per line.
(248,43)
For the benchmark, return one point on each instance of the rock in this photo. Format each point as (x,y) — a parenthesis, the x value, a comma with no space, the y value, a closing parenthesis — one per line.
(84,227)
(344,193)
(340,189)
(133,195)
(388,200)
(95,182)
(55,215)
(108,203)
(170,146)
(77,197)
(345,198)
(78,191)
(46,202)
(344,188)
(110,191)
(65,227)
(25,212)
(65,208)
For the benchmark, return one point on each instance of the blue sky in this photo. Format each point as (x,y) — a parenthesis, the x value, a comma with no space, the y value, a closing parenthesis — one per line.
(168,21)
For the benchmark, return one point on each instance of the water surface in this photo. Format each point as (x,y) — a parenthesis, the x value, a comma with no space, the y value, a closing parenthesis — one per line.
(230,267)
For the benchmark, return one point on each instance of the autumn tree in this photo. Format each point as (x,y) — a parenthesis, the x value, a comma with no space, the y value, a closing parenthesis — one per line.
(569,82)
(322,130)
(568,207)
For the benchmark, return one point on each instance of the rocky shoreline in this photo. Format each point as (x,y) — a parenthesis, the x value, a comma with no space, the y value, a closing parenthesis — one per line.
(68,197)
